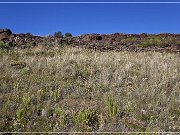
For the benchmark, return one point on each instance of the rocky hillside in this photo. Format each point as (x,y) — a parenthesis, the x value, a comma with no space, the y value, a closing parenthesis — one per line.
(117,41)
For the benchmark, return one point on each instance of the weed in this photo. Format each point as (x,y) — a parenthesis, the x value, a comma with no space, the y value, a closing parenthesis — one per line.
(57,95)
(87,118)
(112,106)
(26,100)
(40,94)
(20,113)
(60,114)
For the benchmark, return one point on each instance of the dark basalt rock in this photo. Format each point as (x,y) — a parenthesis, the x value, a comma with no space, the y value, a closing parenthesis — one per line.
(5,34)
(102,42)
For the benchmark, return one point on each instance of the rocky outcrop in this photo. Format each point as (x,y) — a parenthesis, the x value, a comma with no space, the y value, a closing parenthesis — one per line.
(5,34)
(102,42)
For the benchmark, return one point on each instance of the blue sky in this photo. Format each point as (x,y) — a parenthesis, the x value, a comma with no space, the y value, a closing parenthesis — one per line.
(43,19)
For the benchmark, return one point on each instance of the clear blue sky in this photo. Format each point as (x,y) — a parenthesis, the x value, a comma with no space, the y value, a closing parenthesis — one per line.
(43,19)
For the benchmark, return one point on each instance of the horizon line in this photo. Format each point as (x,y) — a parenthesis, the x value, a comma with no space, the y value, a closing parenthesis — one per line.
(138,2)
(94,33)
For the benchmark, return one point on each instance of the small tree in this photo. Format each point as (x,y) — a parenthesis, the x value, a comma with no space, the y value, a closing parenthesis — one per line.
(9,32)
(58,35)
(68,35)
(29,34)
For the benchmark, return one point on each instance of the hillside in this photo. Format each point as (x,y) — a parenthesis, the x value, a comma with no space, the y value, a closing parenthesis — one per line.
(51,84)
(119,42)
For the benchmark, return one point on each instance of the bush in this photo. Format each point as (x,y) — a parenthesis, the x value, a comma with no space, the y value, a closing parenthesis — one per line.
(68,35)
(20,113)
(2,45)
(86,117)
(60,114)
(155,41)
(9,32)
(58,35)
(6,45)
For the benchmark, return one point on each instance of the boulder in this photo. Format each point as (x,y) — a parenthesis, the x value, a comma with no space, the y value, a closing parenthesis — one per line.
(5,34)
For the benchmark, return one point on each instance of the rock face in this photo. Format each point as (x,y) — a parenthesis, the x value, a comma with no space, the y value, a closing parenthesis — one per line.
(102,42)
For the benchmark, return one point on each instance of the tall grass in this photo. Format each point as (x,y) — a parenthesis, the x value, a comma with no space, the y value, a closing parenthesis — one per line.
(54,87)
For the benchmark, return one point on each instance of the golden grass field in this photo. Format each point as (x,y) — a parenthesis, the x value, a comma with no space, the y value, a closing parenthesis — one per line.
(69,89)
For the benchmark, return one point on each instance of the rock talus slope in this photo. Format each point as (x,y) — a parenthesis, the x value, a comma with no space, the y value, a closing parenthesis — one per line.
(102,42)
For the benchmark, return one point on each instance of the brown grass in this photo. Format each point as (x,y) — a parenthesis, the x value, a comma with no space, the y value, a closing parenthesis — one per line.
(73,89)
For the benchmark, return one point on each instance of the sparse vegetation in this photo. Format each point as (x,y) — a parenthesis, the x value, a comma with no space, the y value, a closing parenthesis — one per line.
(2,45)
(83,90)
(158,42)
(127,40)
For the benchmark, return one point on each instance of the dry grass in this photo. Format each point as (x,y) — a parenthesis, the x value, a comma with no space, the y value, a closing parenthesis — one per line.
(72,89)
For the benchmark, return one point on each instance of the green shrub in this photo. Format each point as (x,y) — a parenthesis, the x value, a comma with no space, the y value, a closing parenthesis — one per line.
(20,113)
(85,117)
(60,114)
(152,42)
(2,45)
(68,35)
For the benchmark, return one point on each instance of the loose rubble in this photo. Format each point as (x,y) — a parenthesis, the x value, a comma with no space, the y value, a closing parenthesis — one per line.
(101,42)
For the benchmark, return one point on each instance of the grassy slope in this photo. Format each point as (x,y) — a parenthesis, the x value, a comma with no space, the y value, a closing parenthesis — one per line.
(71,89)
